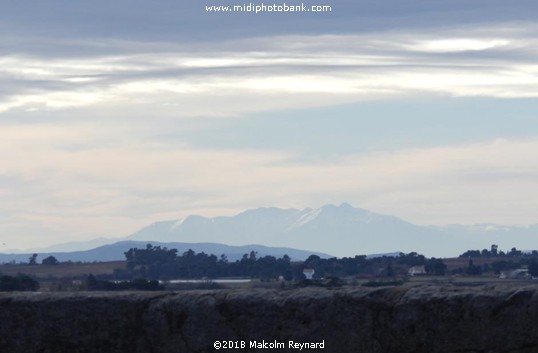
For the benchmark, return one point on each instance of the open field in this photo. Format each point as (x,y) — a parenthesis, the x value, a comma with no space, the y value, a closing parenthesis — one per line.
(63,269)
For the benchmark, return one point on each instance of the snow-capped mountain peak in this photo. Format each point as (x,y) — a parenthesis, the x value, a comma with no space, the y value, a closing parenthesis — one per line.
(341,230)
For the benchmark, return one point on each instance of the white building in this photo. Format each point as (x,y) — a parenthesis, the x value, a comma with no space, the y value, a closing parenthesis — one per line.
(521,273)
(416,271)
(308,273)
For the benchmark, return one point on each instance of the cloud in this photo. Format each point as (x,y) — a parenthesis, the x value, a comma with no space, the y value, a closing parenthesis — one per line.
(283,72)
(79,181)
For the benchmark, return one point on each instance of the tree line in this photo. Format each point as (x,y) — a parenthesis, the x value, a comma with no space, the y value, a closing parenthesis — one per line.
(17,283)
(495,252)
(504,261)
(155,262)
(146,266)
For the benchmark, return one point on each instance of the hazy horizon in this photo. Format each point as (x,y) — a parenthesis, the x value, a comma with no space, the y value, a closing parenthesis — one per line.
(357,231)
(117,115)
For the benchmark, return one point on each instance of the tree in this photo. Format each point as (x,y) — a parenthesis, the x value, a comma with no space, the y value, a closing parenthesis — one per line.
(411,259)
(473,270)
(390,270)
(499,266)
(32,260)
(312,261)
(514,252)
(435,267)
(150,256)
(27,284)
(91,282)
(471,253)
(51,260)
(533,268)
(19,283)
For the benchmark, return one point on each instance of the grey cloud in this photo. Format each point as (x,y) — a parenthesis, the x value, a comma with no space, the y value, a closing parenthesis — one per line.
(187,21)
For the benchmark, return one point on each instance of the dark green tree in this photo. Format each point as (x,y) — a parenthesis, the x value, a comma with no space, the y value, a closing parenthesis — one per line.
(473,270)
(533,268)
(503,265)
(435,267)
(19,283)
(411,259)
(390,270)
(471,253)
(32,260)
(91,282)
(51,260)
(514,252)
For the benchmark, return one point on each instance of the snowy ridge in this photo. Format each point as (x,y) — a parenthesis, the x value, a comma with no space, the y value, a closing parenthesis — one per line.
(307,217)
(340,230)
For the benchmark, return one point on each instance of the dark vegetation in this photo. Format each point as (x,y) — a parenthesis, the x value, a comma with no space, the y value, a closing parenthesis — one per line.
(162,263)
(497,261)
(419,318)
(495,252)
(158,263)
(150,267)
(382,283)
(50,261)
(137,284)
(18,283)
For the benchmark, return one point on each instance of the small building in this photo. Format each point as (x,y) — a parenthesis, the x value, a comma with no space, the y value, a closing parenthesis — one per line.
(417,271)
(521,273)
(308,273)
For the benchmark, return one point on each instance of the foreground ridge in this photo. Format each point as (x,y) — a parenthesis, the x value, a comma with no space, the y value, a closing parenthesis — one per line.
(420,318)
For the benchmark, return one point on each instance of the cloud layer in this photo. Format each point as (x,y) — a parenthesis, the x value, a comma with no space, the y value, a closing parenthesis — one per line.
(111,190)
(284,72)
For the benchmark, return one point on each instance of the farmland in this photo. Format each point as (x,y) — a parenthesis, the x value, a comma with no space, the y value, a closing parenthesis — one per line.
(63,270)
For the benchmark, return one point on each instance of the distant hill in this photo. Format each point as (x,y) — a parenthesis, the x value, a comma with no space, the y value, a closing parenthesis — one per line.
(114,252)
(337,230)
(340,230)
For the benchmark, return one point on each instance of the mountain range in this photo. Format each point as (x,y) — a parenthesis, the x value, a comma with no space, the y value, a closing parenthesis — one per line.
(340,231)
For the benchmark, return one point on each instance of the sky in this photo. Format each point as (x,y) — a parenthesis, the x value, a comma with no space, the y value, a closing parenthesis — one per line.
(115,115)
